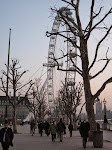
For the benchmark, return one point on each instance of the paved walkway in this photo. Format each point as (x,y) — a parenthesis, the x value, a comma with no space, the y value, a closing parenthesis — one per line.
(24,141)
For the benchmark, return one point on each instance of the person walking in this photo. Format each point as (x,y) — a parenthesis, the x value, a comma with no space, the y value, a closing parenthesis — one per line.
(46,128)
(11,124)
(64,129)
(32,127)
(41,128)
(70,127)
(53,130)
(60,128)
(84,129)
(6,136)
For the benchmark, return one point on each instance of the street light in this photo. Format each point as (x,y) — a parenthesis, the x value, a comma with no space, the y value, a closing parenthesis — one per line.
(6,113)
(105,115)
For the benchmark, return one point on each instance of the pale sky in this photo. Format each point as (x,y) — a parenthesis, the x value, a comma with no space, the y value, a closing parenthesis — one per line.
(29,21)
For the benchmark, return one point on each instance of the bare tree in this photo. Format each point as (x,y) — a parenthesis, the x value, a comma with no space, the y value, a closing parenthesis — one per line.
(37,102)
(42,107)
(80,41)
(69,100)
(16,86)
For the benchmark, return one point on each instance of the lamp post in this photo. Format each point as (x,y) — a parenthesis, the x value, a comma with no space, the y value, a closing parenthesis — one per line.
(7,76)
(105,114)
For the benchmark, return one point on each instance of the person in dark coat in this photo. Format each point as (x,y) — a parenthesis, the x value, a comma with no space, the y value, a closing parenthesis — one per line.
(84,129)
(64,129)
(70,127)
(41,128)
(6,136)
(32,127)
(60,128)
(98,126)
(46,128)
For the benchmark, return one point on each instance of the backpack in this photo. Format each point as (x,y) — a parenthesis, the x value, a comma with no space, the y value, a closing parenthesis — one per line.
(8,138)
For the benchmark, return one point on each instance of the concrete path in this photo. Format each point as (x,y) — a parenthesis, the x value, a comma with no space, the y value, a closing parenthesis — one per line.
(24,141)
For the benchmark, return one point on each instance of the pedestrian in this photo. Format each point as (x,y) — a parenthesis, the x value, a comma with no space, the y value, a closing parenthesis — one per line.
(41,128)
(53,130)
(32,127)
(98,126)
(70,127)
(6,136)
(64,129)
(60,128)
(11,124)
(46,128)
(84,129)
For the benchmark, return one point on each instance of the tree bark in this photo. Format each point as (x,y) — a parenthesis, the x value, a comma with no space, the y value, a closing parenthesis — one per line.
(14,121)
(87,89)
(75,125)
(14,107)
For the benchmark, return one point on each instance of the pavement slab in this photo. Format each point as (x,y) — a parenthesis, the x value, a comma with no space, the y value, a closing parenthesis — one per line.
(25,141)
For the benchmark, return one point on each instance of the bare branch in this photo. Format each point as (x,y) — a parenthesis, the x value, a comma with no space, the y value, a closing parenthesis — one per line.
(91,19)
(102,88)
(97,48)
(10,101)
(68,20)
(19,76)
(3,87)
(101,70)
(97,13)
(110,11)
(48,34)
(76,68)
(67,2)
(70,3)
(78,18)
(80,111)
(24,85)
(31,84)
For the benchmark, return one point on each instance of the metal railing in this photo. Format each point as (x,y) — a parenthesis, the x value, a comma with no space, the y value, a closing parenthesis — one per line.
(108,126)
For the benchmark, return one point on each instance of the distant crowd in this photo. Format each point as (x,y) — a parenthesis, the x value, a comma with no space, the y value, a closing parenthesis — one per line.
(56,129)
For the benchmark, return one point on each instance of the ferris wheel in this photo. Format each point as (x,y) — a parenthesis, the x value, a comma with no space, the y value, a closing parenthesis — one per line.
(70,76)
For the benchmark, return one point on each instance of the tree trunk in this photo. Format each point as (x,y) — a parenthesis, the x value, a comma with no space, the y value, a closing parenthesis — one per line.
(75,124)
(70,118)
(67,119)
(87,89)
(35,117)
(14,121)
(14,115)
(90,113)
(40,114)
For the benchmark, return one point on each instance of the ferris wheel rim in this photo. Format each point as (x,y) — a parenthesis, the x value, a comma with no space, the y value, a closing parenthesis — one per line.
(52,44)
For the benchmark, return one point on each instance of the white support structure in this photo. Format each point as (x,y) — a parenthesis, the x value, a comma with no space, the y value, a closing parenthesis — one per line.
(51,64)
(44,84)
(72,51)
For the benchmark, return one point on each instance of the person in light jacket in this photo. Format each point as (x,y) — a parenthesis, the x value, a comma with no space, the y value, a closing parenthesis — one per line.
(53,130)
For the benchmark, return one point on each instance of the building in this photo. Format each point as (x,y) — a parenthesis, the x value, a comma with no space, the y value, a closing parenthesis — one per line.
(99,113)
(22,110)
